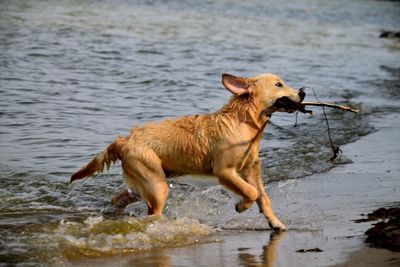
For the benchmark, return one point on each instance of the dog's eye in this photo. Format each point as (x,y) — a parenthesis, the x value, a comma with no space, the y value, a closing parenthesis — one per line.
(279,84)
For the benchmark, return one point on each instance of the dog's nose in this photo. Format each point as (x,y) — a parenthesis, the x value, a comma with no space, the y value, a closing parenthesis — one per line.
(302,94)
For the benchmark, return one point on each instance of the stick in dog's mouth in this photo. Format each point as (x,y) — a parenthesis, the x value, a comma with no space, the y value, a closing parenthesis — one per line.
(290,105)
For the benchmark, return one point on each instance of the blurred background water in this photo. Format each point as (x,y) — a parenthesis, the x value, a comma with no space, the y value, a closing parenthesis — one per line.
(75,74)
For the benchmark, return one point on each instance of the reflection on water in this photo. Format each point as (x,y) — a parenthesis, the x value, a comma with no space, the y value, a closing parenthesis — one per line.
(268,256)
(74,74)
(262,252)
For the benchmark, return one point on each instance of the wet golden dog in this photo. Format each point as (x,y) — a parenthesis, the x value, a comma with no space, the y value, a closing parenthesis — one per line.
(224,144)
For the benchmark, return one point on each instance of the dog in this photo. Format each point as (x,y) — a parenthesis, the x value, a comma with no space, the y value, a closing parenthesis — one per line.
(224,144)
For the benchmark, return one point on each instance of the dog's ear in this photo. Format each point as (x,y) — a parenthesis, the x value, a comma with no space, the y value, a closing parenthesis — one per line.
(236,85)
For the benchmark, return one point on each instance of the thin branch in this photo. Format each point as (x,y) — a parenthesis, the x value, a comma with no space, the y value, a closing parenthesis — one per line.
(335,149)
(330,105)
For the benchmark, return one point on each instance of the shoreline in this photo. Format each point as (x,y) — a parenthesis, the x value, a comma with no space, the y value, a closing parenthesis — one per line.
(319,210)
(365,254)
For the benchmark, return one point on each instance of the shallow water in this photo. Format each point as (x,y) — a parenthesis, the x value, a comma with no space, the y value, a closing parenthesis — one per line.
(75,74)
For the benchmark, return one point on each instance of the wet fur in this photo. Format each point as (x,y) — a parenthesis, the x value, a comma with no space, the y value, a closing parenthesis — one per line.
(224,144)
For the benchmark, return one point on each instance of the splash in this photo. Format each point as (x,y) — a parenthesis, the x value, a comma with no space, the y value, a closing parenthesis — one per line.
(59,243)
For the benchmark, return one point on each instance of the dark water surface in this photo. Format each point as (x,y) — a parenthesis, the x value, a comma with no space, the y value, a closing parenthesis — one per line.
(75,74)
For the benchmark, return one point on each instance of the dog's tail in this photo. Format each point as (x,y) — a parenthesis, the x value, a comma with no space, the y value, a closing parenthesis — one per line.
(110,155)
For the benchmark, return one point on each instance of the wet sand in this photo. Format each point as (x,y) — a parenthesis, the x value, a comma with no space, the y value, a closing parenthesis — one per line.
(371,257)
(333,201)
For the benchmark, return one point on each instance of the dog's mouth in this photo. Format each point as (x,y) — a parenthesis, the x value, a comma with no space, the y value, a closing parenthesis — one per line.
(289,105)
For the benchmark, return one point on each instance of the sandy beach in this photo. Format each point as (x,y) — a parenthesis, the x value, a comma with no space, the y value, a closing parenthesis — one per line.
(338,197)
(369,257)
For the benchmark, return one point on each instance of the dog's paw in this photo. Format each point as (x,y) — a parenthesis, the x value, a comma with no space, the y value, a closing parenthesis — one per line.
(243,205)
(277,225)
(238,207)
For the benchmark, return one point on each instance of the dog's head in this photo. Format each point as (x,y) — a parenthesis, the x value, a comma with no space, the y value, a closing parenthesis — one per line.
(270,92)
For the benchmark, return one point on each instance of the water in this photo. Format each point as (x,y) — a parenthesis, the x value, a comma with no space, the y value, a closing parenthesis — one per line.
(74,74)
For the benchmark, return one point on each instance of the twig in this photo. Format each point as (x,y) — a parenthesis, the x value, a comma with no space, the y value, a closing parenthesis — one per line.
(304,250)
(335,149)
(330,105)
(295,123)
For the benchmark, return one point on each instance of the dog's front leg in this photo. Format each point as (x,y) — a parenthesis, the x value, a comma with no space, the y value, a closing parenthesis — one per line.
(231,180)
(253,177)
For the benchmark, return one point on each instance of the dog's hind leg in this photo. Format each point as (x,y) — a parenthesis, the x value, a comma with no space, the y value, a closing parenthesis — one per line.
(253,177)
(144,175)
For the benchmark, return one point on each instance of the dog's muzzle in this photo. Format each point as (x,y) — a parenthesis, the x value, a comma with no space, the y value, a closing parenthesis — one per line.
(289,105)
